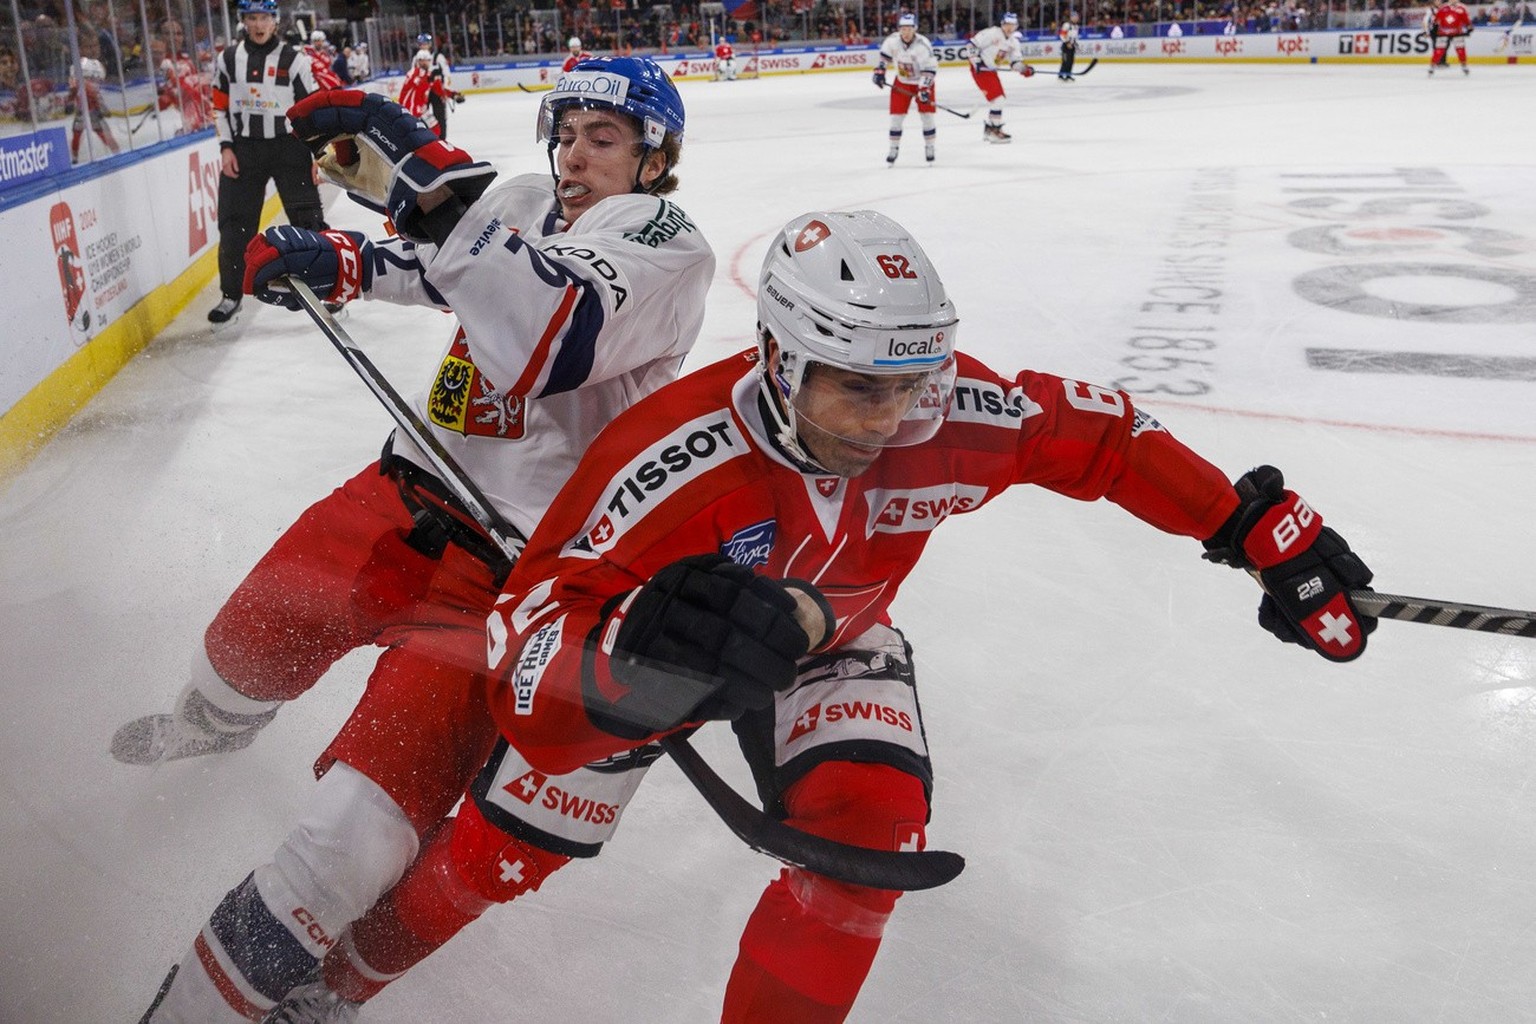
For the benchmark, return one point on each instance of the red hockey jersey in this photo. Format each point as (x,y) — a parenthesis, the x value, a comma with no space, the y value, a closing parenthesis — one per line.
(689,471)
(1452,19)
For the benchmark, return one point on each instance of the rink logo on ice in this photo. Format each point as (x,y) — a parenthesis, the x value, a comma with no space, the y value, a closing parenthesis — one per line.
(919,509)
(751,546)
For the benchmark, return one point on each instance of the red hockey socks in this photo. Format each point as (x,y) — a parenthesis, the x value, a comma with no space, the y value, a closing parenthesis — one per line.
(811,941)
(465,867)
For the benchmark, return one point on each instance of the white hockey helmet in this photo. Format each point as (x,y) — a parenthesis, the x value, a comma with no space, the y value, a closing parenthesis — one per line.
(317,36)
(574,42)
(856,292)
(1010,18)
(908,20)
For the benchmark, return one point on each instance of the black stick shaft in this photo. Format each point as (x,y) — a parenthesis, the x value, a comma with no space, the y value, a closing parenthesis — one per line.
(1453,614)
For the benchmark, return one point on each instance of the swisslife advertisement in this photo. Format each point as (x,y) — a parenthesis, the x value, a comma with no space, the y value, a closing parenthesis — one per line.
(81,256)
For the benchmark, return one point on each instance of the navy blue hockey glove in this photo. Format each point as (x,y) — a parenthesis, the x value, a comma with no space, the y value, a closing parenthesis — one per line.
(337,265)
(1306,568)
(879,77)
(705,638)
(386,156)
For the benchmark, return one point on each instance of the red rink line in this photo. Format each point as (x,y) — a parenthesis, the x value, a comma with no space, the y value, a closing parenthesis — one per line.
(750,291)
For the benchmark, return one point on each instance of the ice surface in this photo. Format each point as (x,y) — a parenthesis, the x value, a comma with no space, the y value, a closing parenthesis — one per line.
(1168,816)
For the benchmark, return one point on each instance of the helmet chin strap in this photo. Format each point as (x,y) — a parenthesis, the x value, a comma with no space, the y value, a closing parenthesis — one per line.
(779,417)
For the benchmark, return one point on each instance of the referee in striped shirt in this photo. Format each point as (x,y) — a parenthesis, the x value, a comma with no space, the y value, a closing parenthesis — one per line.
(257,80)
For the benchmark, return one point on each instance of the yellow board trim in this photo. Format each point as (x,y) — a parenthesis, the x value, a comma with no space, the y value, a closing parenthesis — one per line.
(43,411)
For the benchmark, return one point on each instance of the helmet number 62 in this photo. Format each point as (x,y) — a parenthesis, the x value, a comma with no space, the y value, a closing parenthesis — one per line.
(895,266)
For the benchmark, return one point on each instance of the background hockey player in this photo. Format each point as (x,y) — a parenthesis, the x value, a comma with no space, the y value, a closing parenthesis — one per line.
(911,54)
(318,51)
(576,55)
(181,84)
(1453,24)
(417,88)
(725,61)
(438,99)
(754,581)
(590,297)
(992,48)
(1067,34)
(256,80)
(85,78)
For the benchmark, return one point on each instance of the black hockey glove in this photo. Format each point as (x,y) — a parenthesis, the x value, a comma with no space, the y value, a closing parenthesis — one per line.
(925,89)
(337,265)
(386,157)
(704,639)
(879,77)
(1307,569)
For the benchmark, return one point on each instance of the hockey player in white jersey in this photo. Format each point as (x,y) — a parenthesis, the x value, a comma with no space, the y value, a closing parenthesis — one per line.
(992,48)
(573,301)
(911,55)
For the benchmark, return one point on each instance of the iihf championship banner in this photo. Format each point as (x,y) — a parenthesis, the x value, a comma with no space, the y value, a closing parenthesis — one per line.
(84,255)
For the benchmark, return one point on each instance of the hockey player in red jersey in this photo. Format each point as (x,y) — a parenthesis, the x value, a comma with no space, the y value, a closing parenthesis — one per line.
(994,47)
(572,302)
(1453,24)
(725,61)
(729,549)
(916,66)
(576,55)
(417,89)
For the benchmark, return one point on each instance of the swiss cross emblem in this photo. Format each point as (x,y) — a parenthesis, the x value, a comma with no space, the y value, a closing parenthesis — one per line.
(909,837)
(827,485)
(526,786)
(811,235)
(602,531)
(894,512)
(805,723)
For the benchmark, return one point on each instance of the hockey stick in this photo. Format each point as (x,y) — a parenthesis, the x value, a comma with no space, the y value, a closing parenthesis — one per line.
(1454,614)
(947,110)
(857,865)
(1079,74)
(151,112)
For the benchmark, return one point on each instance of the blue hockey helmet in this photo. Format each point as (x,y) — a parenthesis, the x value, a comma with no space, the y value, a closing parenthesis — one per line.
(636,86)
(425,39)
(257,7)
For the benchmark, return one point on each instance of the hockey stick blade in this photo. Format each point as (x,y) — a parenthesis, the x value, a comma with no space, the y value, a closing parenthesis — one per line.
(940,106)
(856,865)
(1430,612)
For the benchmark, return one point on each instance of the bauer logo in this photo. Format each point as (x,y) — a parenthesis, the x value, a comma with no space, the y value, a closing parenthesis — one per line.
(751,546)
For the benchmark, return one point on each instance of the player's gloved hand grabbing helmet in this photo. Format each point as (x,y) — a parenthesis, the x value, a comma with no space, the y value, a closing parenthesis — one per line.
(386,157)
(1306,568)
(703,639)
(337,265)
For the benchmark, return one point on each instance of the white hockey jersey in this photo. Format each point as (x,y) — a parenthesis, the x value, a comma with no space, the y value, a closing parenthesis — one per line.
(560,329)
(911,60)
(996,49)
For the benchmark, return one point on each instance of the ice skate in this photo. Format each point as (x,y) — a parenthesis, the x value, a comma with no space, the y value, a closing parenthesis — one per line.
(195,728)
(890,157)
(227,310)
(928,152)
(313,1003)
(994,133)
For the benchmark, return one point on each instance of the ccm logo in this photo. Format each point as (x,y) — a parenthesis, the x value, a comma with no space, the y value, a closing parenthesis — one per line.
(312,928)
